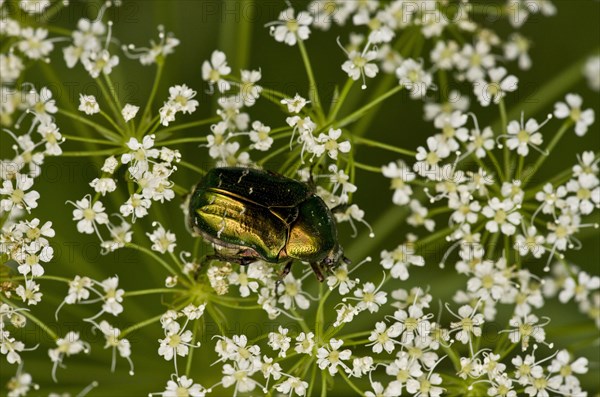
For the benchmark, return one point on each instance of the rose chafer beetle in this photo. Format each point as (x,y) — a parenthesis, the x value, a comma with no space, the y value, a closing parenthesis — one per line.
(251,214)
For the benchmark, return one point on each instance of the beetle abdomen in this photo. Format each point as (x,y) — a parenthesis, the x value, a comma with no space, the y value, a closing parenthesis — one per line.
(239,223)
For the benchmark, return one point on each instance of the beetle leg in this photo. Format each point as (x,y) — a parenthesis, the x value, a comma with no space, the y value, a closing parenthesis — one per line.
(317,269)
(339,208)
(243,261)
(286,269)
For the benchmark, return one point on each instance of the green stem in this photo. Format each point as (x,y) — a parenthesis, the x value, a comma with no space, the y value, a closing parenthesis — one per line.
(380,145)
(89,153)
(358,113)
(90,140)
(153,256)
(139,325)
(351,384)
(115,97)
(192,167)
(506,152)
(367,167)
(153,291)
(188,365)
(108,134)
(340,100)
(108,96)
(313,93)
(146,113)
(537,165)
(182,140)
(184,126)
(33,318)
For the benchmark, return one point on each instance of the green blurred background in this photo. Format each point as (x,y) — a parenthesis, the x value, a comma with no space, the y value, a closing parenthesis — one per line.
(237,27)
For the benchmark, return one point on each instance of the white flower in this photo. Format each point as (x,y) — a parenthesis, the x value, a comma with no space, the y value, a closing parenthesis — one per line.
(162,240)
(67,346)
(525,328)
(400,175)
(30,293)
(292,293)
(110,165)
(231,115)
(11,66)
(99,62)
(52,137)
(245,280)
(249,90)
(34,44)
(582,118)
(379,30)
(160,50)
(521,136)
(292,383)
(279,341)
(592,72)
(475,60)
(136,205)
(182,96)
(214,70)
(78,289)
(329,356)
(382,337)
(141,153)
(183,386)
(398,260)
(359,65)
(295,104)
(402,369)
(129,112)
(167,113)
(341,279)
(470,323)
(331,145)
(503,216)
(88,104)
(585,198)
(34,6)
(565,369)
(18,195)
(113,296)
(260,136)
(103,185)
(41,104)
(20,384)
(240,376)
(175,344)
(116,343)
(418,216)
(414,78)
(425,386)
(290,28)
(305,343)
(370,298)
(517,48)
(496,88)
(444,54)
(579,288)
(530,242)
(89,214)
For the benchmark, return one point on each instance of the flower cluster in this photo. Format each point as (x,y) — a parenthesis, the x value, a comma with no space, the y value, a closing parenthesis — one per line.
(471,202)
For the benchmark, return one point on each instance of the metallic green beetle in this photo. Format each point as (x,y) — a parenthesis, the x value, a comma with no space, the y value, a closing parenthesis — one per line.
(250,214)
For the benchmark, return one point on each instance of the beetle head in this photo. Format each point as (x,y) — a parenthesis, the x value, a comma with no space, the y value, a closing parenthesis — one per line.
(334,257)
